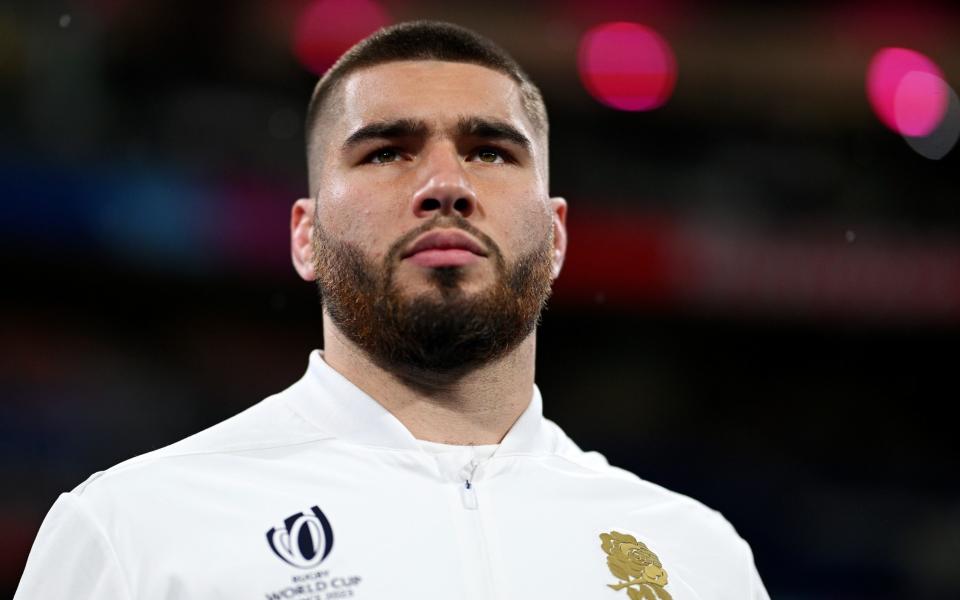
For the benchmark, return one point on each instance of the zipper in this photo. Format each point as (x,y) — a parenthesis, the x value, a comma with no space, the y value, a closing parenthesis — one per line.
(486,584)
(467,492)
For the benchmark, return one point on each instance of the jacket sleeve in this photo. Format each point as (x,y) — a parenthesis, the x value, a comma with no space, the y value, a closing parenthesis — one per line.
(757,589)
(72,558)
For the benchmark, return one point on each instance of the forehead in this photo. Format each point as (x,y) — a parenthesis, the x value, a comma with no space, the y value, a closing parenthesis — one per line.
(437,92)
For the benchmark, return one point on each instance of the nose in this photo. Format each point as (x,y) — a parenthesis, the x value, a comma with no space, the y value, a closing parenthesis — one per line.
(445,186)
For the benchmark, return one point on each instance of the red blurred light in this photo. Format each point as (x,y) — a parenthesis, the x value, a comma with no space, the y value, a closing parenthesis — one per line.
(328,28)
(627,66)
(907,91)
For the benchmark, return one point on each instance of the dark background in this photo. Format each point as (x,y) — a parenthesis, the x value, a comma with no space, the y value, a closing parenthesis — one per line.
(761,304)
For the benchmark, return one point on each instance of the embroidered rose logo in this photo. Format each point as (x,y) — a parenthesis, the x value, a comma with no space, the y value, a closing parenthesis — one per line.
(636,566)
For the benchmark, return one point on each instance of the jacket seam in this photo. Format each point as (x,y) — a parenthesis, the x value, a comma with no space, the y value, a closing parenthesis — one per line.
(88,514)
(146,460)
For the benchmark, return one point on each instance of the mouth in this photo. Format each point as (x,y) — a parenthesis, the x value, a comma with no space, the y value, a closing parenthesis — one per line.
(446,248)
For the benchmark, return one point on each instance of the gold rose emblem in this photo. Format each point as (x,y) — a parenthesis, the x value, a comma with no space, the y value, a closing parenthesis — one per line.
(636,566)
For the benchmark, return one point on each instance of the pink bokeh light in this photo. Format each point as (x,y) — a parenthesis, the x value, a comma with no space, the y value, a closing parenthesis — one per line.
(907,91)
(326,29)
(627,66)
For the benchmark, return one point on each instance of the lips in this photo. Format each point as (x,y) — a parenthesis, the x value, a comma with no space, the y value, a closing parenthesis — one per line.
(445,240)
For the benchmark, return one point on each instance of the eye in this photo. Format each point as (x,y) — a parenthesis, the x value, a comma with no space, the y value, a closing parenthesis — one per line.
(383,156)
(491,155)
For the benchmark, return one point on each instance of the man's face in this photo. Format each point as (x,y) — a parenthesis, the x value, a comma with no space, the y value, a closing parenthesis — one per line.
(416,148)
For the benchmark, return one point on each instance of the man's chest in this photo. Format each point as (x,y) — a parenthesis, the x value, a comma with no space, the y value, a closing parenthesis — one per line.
(367,536)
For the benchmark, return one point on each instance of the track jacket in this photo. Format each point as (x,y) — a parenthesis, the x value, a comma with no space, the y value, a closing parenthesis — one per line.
(319,493)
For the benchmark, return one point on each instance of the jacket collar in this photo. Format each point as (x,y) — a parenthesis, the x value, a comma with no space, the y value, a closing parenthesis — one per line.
(332,403)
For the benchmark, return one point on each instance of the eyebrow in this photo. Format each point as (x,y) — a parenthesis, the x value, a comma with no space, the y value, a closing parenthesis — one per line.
(477,127)
(397,128)
(492,129)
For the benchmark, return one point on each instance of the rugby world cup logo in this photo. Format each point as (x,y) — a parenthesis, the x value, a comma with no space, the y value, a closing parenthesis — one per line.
(305,539)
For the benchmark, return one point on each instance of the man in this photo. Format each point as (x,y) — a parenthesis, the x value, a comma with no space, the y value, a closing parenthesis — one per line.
(412,460)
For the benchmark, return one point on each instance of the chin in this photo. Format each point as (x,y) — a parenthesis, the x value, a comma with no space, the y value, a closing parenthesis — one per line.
(443,278)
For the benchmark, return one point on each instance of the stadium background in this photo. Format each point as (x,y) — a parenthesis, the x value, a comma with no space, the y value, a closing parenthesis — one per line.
(760,308)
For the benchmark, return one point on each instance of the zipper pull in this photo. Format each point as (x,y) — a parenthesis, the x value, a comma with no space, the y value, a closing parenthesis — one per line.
(467,492)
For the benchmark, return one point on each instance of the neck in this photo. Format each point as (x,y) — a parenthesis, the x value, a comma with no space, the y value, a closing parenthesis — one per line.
(476,408)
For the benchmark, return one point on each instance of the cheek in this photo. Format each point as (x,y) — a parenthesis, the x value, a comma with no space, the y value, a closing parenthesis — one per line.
(346,212)
(527,223)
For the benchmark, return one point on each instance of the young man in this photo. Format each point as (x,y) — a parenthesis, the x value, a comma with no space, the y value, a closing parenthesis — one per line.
(412,460)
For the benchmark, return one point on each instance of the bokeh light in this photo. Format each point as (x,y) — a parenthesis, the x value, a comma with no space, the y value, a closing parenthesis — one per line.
(627,66)
(941,140)
(907,91)
(327,28)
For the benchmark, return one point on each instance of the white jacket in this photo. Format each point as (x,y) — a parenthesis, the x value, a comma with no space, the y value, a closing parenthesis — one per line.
(319,493)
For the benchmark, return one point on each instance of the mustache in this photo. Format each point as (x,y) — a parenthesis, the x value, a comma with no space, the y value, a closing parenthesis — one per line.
(444,222)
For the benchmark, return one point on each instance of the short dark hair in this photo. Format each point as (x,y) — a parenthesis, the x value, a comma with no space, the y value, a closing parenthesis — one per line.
(421,40)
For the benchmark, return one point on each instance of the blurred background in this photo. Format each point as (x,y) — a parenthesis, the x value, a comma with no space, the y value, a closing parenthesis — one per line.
(760,307)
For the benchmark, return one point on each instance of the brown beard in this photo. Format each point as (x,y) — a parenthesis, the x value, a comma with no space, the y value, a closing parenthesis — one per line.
(426,338)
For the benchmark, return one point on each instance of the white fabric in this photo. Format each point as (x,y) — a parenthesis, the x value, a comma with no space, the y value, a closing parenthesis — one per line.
(409,520)
(477,453)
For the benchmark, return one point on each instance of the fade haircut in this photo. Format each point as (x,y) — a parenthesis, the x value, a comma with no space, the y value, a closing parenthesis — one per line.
(419,40)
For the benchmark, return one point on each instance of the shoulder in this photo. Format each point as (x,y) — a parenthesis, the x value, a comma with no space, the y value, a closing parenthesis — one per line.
(684,530)
(268,426)
(632,494)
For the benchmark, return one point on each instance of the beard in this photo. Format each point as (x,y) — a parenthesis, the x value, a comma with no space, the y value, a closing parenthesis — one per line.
(431,336)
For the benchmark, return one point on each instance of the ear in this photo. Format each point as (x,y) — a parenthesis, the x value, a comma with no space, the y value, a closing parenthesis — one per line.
(559,212)
(301,236)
